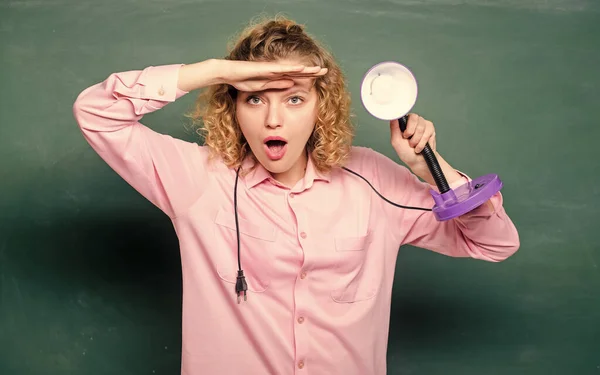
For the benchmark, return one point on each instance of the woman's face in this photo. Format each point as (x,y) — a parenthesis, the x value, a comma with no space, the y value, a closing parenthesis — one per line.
(277,124)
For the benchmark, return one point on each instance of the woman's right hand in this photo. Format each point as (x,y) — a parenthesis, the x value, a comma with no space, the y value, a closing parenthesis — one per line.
(244,75)
(257,76)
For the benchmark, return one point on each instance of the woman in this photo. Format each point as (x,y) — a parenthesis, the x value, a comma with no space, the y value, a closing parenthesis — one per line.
(266,214)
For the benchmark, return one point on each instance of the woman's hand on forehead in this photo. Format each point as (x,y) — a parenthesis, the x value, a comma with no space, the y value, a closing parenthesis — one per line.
(254,76)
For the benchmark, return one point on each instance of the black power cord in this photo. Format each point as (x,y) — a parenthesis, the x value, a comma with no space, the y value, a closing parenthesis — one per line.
(240,285)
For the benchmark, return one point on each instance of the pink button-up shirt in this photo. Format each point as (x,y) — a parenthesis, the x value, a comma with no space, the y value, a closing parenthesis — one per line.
(319,258)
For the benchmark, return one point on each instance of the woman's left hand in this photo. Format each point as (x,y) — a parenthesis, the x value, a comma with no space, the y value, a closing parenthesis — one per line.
(409,145)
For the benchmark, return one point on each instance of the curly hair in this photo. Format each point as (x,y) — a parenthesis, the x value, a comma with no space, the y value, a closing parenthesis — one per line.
(267,40)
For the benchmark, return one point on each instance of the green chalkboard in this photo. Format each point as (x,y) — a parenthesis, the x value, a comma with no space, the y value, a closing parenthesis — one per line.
(90,278)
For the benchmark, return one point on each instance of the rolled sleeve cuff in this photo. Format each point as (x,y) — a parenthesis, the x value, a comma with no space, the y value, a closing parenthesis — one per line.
(456,183)
(160,83)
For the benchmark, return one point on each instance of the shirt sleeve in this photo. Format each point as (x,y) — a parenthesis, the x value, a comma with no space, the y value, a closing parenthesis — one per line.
(169,172)
(485,233)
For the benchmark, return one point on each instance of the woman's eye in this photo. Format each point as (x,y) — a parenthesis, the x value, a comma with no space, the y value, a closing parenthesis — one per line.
(253,100)
(295,100)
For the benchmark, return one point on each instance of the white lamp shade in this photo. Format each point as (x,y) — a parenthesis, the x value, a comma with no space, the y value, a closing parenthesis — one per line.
(388,90)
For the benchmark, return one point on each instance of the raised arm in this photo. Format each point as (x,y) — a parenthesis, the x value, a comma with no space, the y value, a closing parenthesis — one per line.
(485,233)
(169,172)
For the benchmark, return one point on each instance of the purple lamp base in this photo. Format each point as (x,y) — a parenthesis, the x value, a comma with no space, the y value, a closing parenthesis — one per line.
(459,201)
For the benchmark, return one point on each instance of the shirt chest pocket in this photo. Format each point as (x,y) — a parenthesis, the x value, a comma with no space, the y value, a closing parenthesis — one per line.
(257,246)
(355,271)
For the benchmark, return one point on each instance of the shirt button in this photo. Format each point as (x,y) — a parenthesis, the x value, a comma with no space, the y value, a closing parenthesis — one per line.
(161,91)
(301,364)
(303,234)
(301,320)
(303,275)
(292,195)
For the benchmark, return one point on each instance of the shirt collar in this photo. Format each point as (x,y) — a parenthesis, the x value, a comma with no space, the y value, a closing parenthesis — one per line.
(256,175)
(260,174)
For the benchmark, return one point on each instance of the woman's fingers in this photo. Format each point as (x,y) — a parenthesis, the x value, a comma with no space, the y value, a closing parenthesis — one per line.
(258,76)
(420,132)
(316,73)
(310,69)
(276,68)
(295,70)
(411,125)
(425,138)
(241,73)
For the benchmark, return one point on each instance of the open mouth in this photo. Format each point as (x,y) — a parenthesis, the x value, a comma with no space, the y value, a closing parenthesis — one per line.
(276,144)
(275,148)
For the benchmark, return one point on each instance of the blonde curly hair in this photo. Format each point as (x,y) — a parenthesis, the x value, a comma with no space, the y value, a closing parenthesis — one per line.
(268,40)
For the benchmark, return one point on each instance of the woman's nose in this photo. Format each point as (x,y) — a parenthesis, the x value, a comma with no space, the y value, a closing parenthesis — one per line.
(274,116)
